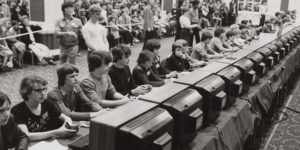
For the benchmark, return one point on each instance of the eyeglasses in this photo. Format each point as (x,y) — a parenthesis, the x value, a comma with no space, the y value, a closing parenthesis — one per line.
(40,90)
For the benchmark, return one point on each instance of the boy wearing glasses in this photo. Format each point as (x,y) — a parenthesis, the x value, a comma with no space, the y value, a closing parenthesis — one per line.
(37,118)
(10,135)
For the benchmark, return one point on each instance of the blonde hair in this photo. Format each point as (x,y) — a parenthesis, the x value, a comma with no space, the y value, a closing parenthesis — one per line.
(94,9)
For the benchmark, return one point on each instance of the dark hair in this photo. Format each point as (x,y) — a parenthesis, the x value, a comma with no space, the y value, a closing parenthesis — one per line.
(4,98)
(244,22)
(97,58)
(145,56)
(176,45)
(218,32)
(183,42)
(152,44)
(119,51)
(64,70)
(242,26)
(206,35)
(28,83)
(230,34)
(66,5)
(14,22)
(277,14)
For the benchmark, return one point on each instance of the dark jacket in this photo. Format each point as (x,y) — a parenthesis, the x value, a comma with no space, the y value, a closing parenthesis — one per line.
(142,76)
(175,63)
(26,38)
(13,137)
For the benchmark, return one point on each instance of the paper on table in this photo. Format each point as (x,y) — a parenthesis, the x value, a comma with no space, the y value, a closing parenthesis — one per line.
(46,145)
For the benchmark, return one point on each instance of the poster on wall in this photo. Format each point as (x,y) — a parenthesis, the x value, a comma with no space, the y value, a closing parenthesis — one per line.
(251,5)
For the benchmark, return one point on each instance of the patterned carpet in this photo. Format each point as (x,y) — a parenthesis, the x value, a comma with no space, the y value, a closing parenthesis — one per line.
(287,134)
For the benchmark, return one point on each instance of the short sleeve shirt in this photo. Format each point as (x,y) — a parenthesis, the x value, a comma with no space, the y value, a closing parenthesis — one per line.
(37,123)
(64,25)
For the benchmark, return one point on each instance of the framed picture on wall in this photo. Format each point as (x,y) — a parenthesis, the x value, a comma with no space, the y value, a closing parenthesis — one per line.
(250,5)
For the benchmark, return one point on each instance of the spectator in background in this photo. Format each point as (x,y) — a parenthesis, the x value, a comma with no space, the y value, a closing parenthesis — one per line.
(186,32)
(178,14)
(94,33)
(69,97)
(194,13)
(4,10)
(114,31)
(41,51)
(5,51)
(142,71)
(16,46)
(16,13)
(67,30)
(125,29)
(11,137)
(97,85)
(263,10)
(149,10)
(38,118)
(232,12)
(177,61)
(120,73)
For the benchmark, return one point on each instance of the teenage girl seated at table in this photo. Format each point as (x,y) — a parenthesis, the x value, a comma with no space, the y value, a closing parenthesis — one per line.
(142,73)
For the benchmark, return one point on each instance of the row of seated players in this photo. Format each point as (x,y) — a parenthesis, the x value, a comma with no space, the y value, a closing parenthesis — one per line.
(41,116)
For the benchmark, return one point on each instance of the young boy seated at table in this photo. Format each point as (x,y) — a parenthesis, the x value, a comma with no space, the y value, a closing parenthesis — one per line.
(218,43)
(97,85)
(195,63)
(267,28)
(142,71)
(11,137)
(202,51)
(234,40)
(178,61)
(120,73)
(69,97)
(157,69)
(38,118)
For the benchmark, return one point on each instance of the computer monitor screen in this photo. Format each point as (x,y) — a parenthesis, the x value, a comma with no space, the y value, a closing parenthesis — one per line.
(214,98)
(137,125)
(248,74)
(184,104)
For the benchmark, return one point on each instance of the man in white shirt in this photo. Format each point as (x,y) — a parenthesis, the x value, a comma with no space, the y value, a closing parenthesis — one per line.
(94,33)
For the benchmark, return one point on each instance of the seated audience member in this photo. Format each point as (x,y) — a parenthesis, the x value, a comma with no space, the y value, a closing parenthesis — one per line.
(218,44)
(114,31)
(38,118)
(70,98)
(5,51)
(97,85)
(193,62)
(202,50)
(142,71)
(17,46)
(11,137)
(41,51)
(157,69)
(120,73)
(177,61)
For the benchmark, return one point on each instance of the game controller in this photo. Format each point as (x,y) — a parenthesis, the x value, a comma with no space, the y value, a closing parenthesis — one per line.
(72,127)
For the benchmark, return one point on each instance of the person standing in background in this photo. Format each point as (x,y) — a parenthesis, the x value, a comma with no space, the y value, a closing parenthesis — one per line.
(195,20)
(67,30)
(94,34)
(149,21)
(232,12)
(4,10)
(263,10)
